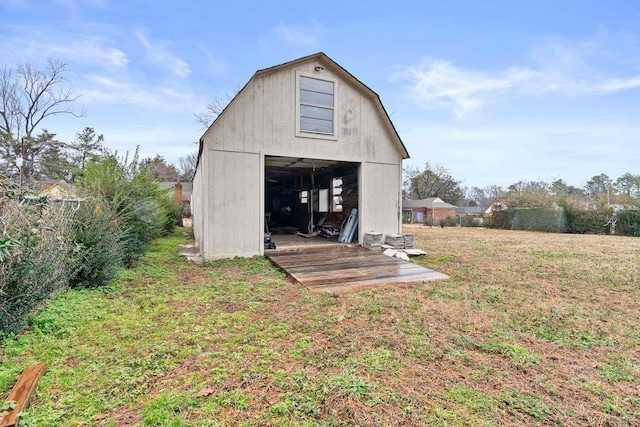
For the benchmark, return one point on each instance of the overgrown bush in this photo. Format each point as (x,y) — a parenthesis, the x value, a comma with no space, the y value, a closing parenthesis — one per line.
(628,223)
(37,247)
(470,221)
(46,246)
(98,245)
(500,219)
(532,219)
(449,221)
(581,221)
(141,208)
(539,219)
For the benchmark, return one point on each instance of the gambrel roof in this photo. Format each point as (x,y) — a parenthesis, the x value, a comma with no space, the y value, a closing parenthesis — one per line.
(326,62)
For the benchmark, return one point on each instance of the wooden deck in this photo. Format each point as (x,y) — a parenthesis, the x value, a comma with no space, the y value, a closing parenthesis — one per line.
(346,267)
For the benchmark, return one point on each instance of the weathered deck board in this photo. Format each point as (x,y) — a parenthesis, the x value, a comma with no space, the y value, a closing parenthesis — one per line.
(22,394)
(343,267)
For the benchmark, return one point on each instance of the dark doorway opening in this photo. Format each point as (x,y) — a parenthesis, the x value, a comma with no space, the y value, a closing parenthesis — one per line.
(308,198)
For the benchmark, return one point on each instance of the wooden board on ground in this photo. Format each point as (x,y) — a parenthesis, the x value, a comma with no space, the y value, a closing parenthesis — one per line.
(22,393)
(345,267)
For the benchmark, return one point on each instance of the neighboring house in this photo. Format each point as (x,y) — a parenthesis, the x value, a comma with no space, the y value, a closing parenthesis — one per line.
(60,190)
(495,207)
(428,211)
(302,143)
(182,193)
(474,211)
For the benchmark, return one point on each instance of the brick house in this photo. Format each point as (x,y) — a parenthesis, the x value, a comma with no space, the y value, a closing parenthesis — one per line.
(427,211)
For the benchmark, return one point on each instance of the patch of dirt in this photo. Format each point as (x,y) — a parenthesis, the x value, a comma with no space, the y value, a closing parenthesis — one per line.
(122,416)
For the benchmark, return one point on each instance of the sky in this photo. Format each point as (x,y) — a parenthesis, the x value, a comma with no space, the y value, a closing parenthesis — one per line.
(494,91)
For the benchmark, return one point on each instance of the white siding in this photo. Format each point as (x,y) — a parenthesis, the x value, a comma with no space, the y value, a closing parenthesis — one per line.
(261,121)
(198,199)
(380,202)
(233,210)
(262,118)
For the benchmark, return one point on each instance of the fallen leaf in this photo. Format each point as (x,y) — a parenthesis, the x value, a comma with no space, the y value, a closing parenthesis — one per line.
(205,392)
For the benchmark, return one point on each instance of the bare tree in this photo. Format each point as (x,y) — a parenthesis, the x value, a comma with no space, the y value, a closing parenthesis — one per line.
(9,102)
(187,166)
(158,168)
(433,181)
(28,97)
(214,109)
(528,194)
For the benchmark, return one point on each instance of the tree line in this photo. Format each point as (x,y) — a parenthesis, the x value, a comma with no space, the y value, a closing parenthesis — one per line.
(600,191)
(43,158)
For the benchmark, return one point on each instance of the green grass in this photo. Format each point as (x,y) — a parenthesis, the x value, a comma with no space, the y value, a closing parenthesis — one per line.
(532,329)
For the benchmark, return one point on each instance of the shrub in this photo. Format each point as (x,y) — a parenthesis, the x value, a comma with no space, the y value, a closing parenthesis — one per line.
(538,219)
(449,221)
(142,210)
(500,220)
(587,222)
(45,247)
(532,219)
(36,248)
(98,245)
(470,221)
(628,223)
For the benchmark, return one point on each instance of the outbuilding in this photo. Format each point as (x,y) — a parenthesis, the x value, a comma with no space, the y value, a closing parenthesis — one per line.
(301,144)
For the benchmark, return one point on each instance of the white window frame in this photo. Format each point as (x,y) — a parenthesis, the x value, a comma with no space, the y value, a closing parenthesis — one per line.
(336,195)
(317,135)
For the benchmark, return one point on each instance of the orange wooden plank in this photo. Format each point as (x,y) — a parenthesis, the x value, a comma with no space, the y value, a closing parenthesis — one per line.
(22,393)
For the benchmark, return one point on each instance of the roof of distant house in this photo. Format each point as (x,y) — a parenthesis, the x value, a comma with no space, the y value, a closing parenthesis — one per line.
(60,190)
(429,202)
(469,210)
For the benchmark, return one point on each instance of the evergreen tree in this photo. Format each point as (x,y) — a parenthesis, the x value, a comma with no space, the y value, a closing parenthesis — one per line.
(87,147)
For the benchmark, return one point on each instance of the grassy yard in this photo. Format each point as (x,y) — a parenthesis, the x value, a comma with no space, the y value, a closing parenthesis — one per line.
(531,329)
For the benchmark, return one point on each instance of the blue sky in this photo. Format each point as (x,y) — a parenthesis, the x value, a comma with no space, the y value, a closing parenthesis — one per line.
(495,91)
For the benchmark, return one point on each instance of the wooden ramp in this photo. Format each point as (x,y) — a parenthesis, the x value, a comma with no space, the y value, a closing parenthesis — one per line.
(344,267)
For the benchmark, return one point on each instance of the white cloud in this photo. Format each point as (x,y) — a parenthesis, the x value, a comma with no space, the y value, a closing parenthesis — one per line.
(588,68)
(437,84)
(110,90)
(616,85)
(158,52)
(93,50)
(28,44)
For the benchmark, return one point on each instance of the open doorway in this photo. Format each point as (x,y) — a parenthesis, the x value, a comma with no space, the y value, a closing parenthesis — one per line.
(308,201)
